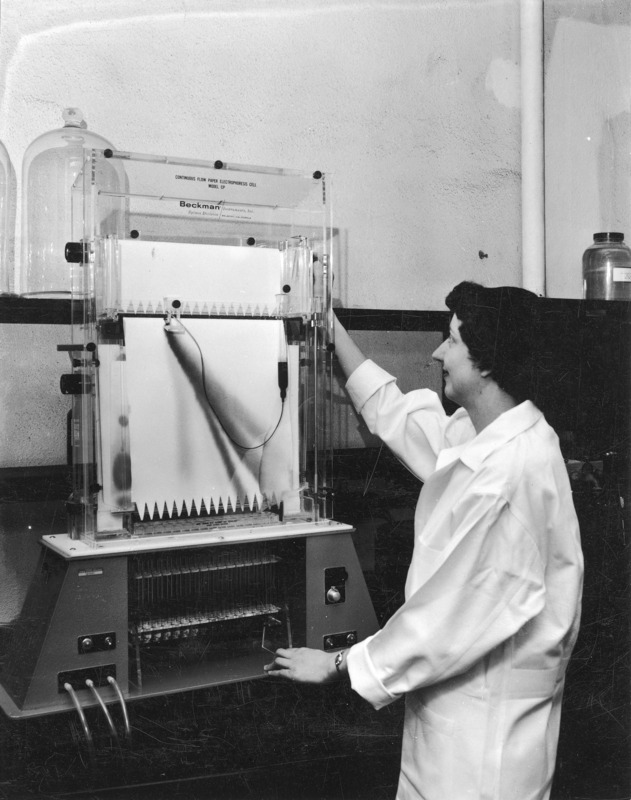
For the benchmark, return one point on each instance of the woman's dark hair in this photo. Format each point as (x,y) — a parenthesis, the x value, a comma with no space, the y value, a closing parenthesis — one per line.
(500,328)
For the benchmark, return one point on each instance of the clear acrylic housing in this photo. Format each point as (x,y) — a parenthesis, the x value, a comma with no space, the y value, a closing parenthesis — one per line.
(187,240)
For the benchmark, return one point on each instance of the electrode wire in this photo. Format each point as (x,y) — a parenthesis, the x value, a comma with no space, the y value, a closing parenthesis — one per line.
(90,684)
(84,722)
(212,408)
(112,681)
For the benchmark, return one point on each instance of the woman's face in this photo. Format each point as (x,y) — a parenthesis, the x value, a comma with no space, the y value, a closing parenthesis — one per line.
(463,380)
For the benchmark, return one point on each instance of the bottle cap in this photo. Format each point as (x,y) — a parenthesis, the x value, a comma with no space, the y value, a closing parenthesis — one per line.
(609,237)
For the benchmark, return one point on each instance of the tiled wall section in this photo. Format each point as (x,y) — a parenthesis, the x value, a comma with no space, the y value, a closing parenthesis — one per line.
(33,410)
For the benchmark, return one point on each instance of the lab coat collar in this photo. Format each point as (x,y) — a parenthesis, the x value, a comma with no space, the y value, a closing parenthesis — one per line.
(508,425)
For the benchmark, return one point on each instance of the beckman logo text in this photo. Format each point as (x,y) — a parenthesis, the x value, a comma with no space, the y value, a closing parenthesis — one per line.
(208,206)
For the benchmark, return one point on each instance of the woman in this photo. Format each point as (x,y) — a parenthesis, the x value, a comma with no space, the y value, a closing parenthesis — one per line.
(480,646)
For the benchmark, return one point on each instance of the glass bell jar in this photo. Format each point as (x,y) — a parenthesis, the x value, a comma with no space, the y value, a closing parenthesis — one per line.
(50,167)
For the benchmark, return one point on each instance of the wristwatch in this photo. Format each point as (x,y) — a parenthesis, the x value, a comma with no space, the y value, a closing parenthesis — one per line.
(339,658)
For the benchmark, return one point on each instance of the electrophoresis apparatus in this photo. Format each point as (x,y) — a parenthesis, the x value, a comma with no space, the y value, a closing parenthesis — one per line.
(200,522)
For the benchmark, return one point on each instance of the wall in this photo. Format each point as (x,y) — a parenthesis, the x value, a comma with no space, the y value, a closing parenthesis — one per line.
(588,132)
(412,106)
(33,417)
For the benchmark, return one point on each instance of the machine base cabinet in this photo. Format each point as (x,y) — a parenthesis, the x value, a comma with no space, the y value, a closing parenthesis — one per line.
(118,627)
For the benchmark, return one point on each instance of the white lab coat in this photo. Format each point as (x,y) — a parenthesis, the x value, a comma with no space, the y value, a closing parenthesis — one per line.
(481,644)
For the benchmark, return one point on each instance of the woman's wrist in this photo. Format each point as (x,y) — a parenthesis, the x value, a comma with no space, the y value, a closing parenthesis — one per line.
(348,353)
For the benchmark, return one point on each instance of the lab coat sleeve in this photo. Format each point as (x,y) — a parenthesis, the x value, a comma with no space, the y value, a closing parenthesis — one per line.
(412,425)
(489,583)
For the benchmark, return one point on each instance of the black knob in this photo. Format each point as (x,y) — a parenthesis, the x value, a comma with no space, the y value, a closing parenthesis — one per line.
(76,252)
(71,383)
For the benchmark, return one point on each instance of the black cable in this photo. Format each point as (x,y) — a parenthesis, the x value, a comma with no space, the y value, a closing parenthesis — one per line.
(212,408)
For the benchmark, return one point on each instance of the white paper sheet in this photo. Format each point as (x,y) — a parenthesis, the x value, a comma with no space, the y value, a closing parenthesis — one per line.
(181,449)
(246,277)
